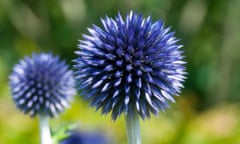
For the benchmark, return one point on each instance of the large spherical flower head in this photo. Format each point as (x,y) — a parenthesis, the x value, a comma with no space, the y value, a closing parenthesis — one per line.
(130,64)
(42,84)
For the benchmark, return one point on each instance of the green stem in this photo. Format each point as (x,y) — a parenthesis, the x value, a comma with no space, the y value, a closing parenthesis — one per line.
(44,130)
(133,129)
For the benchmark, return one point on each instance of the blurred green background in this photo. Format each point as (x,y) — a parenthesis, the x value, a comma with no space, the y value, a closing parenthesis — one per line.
(207,111)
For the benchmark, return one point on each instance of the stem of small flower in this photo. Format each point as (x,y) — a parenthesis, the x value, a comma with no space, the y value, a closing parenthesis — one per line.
(133,129)
(44,130)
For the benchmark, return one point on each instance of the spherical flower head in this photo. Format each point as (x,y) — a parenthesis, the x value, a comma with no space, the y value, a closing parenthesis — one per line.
(130,64)
(42,84)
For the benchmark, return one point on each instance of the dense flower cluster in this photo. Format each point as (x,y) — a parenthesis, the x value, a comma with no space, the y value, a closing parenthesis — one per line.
(131,64)
(42,84)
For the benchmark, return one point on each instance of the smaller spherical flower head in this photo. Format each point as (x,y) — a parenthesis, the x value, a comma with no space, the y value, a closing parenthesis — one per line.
(42,84)
(131,64)
(77,137)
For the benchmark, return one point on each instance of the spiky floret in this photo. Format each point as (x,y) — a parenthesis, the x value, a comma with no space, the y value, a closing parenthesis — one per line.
(42,84)
(130,64)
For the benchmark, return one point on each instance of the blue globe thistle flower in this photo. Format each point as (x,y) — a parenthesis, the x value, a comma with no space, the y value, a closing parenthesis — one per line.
(130,64)
(77,137)
(42,84)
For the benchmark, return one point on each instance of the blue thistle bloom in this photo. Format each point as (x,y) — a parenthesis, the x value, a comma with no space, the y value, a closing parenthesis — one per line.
(77,137)
(130,64)
(42,84)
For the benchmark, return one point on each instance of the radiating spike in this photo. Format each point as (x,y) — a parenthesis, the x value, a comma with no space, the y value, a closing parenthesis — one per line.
(126,100)
(148,98)
(109,68)
(139,83)
(97,84)
(127,89)
(167,96)
(129,78)
(138,93)
(118,82)
(137,106)
(105,87)
(21,101)
(115,93)
(29,104)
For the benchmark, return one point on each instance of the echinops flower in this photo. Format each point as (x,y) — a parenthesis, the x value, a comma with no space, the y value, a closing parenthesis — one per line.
(42,84)
(131,64)
(77,137)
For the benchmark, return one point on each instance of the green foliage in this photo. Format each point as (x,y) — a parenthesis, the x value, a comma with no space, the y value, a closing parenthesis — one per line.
(62,132)
(207,111)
